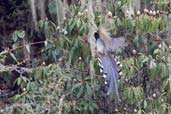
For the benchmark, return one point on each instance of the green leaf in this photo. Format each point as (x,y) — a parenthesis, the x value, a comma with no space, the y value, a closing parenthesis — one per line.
(156,51)
(41,22)
(28,86)
(78,23)
(76,43)
(139,112)
(18,81)
(165,71)
(72,25)
(145,104)
(89,91)
(77,86)
(80,92)
(14,37)
(24,78)
(38,74)
(20,34)
(62,42)
(153,64)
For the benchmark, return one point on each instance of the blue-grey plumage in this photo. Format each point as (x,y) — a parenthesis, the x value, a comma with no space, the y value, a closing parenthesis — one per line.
(100,46)
(108,65)
(112,75)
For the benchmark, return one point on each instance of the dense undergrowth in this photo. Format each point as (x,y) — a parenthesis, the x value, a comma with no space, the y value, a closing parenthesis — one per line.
(49,68)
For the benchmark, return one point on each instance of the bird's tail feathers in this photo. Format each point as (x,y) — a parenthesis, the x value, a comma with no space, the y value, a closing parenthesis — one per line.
(110,68)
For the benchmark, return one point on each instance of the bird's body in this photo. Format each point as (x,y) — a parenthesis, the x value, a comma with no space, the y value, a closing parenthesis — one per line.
(100,46)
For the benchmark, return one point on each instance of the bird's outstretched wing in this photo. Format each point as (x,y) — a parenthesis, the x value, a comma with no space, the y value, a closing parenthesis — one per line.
(116,43)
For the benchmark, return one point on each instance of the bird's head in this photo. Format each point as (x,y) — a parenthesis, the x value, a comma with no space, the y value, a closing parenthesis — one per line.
(96,35)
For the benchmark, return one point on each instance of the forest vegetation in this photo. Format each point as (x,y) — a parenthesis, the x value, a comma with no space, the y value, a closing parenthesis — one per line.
(48,63)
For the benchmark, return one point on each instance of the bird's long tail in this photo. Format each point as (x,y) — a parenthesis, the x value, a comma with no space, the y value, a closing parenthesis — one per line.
(111,72)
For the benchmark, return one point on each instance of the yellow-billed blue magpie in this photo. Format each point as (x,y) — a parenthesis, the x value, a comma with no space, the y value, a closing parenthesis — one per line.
(109,66)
